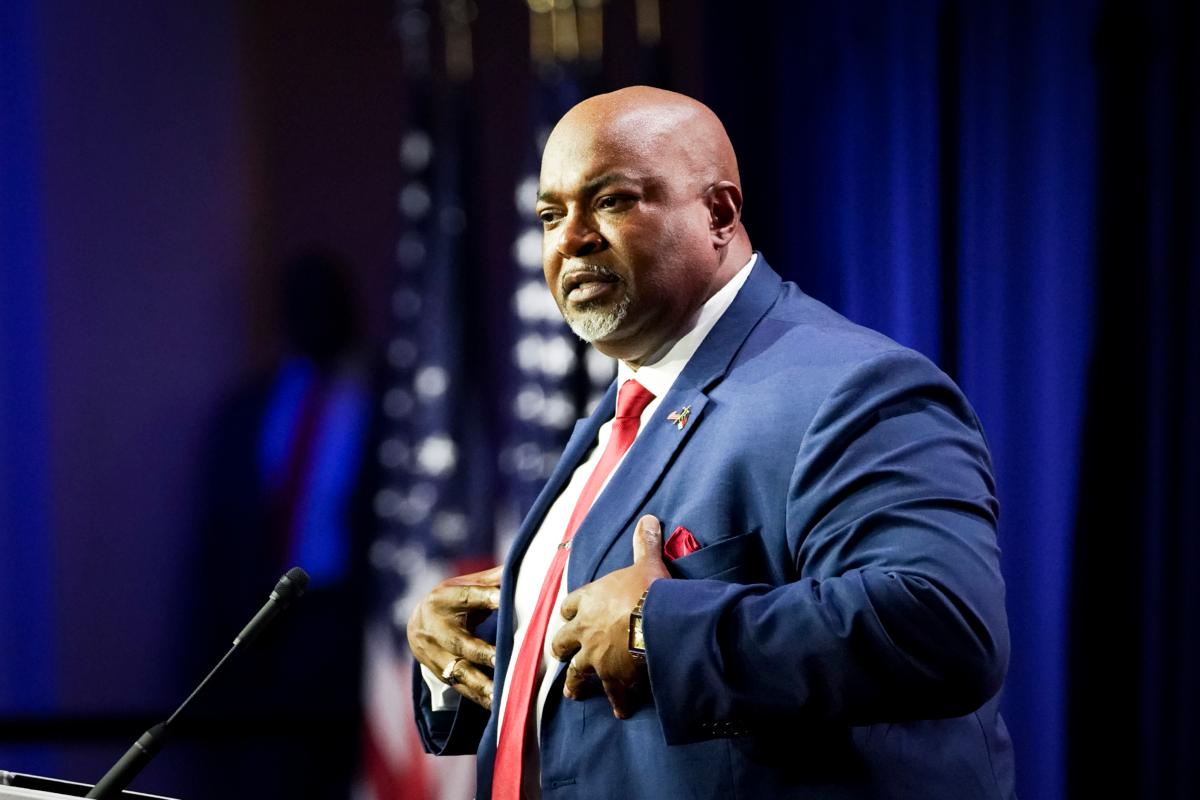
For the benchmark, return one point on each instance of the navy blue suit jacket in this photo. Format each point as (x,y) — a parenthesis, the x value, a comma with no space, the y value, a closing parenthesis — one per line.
(841,632)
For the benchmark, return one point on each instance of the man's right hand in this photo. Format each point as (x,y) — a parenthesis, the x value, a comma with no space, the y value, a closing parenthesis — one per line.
(440,632)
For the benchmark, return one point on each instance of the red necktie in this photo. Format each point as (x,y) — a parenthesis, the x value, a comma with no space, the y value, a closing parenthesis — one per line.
(506,784)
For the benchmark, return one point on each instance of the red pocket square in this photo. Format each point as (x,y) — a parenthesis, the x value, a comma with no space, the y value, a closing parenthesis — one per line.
(680,544)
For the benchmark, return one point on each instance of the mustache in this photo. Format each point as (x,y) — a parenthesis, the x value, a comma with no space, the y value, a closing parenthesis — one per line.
(573,276)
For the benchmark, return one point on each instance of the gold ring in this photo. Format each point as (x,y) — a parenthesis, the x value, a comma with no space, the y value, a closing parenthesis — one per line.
(448,673)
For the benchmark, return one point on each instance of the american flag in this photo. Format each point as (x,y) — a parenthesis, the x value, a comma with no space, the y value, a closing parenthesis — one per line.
(555,377)
(431,507)
(456,481)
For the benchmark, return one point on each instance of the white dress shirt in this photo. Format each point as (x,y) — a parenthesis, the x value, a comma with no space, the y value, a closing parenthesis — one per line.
(658,379)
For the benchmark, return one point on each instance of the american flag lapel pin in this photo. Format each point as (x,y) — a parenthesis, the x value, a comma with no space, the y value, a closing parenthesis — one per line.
(679,417)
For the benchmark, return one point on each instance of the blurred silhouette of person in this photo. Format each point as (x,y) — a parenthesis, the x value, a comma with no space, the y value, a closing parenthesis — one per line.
(284,485)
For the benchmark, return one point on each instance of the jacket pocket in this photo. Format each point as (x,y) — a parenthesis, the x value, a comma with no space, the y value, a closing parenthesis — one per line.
(738,559)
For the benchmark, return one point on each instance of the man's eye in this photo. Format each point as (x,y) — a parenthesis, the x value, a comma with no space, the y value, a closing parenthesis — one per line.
(547,216)
(616,202)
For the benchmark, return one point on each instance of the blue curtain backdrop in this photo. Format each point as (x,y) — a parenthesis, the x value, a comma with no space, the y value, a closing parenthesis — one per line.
(26,607)
(1135,655)
(1012,189)
(936,183)
(26,620)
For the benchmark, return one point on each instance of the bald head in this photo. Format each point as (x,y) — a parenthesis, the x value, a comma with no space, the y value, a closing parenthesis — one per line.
(662,123)
(640,202)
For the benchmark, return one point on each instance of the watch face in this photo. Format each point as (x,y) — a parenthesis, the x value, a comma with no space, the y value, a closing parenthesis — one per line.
(637,644)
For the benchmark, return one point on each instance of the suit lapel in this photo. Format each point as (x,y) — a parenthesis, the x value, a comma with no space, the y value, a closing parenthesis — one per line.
(656,446)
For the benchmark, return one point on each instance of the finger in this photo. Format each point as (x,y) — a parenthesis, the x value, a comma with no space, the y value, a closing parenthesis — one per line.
(434,636)
(487,577)
(445,632)
(472,684)
(477,651)
(460,598)
(491,577)
(647,539)
(570,605)
(617,698)
(577,682)
(425,632)
(565,643)
(432,657)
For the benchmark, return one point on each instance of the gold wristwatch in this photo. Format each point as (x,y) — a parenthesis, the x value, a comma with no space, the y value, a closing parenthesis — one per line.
(637,643)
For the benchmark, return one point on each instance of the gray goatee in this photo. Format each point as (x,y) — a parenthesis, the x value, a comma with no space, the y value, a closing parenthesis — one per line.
(591,322)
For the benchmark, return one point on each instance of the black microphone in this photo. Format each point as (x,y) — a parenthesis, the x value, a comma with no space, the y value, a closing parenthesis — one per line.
(289,588)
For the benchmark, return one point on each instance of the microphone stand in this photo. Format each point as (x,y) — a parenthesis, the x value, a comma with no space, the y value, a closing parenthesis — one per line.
(139,754)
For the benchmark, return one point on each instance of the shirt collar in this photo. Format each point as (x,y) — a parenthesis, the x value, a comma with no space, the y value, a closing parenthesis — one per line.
(659,376)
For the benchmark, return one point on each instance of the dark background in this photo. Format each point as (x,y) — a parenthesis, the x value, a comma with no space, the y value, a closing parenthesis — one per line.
(1010,188)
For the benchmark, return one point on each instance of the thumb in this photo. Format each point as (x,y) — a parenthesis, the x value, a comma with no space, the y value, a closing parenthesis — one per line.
(647,539)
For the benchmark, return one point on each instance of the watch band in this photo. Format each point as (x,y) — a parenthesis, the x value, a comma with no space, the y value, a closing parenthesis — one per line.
(637,642)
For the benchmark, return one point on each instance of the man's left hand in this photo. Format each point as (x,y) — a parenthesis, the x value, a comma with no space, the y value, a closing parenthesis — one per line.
(596,636)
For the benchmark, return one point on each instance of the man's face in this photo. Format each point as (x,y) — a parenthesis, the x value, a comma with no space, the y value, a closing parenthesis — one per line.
(625,238)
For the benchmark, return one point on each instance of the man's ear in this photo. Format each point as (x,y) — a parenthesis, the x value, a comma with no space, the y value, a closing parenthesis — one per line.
(724,212)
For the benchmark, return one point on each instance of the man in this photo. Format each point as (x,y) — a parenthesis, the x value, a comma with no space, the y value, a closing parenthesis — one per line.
(826,617)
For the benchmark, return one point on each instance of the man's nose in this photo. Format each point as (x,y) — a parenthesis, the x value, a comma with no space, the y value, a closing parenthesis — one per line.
(578,236)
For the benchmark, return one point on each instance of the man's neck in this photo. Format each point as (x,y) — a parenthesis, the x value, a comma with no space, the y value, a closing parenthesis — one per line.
(670,360)
(734,261)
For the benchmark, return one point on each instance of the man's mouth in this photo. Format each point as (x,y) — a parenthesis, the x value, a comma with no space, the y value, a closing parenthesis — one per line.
(588,284)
